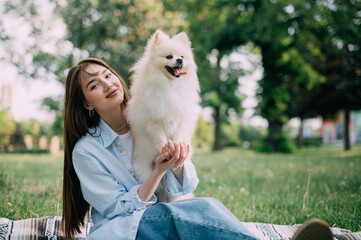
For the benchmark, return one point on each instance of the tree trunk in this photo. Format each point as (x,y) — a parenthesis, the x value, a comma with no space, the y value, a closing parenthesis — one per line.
(346,139)
(217,130)
(300,135)
(271,83)
(274,135)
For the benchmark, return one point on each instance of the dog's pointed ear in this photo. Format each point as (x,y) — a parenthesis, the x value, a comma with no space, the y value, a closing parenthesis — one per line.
(183,38)
(157,38)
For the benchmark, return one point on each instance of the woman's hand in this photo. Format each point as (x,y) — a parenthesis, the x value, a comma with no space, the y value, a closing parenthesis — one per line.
(173,155)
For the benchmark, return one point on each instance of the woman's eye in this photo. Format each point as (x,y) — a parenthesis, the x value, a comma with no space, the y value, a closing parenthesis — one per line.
(108,75)
(93,87)
(169,57)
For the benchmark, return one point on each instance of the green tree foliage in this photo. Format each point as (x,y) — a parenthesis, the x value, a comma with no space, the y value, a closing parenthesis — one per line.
(338,35)
(275,27)
(116,31)
(230,137)
(293,58)
(56,106)
(36,46)
(220,90)
(35,129)
(202,137)
(249,133)
(17,140)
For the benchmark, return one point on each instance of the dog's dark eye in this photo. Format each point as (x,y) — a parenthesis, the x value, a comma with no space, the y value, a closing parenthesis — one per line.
(182,57)
(169,57)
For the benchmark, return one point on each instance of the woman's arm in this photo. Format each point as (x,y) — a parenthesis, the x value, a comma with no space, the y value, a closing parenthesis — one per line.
(106,183)
(147,189)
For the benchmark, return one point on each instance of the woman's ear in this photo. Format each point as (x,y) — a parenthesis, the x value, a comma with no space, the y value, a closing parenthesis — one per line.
(87,106)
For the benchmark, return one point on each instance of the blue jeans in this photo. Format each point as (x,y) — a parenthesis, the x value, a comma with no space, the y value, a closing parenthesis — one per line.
(195,218)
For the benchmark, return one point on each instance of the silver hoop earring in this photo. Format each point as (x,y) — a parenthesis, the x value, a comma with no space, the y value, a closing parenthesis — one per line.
(91,113)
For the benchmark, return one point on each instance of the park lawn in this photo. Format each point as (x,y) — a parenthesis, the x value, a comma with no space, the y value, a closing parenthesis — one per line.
(30,185)
(272,188)
(285,189)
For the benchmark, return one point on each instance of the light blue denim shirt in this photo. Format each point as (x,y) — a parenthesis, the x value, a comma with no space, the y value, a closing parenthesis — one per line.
(107,182)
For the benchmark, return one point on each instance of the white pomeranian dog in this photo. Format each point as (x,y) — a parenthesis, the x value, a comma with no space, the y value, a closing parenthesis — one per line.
(164,99)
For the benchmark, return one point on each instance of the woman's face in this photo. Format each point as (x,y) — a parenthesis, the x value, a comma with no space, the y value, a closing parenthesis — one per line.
(102,89)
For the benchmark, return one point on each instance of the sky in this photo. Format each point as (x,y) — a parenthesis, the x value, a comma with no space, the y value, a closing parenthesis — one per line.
(27,94)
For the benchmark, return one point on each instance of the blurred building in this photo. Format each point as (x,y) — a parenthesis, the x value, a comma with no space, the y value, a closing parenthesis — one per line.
(332,130)
(6,97)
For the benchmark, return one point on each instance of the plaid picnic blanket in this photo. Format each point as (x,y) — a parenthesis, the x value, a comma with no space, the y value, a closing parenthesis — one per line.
(44,228)
(50,228)
(266,231)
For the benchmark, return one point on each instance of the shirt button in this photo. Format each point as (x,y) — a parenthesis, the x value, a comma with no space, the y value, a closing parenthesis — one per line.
(133,227)
(131,172)
(120,151)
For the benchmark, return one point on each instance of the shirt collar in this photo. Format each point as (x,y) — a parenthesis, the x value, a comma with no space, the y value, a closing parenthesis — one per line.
(106,133)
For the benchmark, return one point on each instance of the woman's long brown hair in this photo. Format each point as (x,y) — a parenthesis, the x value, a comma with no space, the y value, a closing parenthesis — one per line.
(77,122)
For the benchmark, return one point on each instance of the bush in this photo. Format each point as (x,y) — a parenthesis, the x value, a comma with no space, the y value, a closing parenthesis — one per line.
(230,136)
(249,134)
(287,145)
(283,144)
(31,151)
(235,134)
(311,142)
(263,146)
(203,134)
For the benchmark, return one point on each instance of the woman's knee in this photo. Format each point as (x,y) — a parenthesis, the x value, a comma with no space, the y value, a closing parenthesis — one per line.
(208,201)
(158,210)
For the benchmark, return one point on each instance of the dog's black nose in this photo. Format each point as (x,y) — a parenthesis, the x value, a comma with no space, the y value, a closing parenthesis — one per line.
(179,60)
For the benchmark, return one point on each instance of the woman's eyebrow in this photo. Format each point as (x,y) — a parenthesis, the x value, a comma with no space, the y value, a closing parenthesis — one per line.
(92,80)
(89,83)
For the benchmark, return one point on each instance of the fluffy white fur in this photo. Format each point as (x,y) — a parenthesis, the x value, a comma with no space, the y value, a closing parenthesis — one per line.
(162,106)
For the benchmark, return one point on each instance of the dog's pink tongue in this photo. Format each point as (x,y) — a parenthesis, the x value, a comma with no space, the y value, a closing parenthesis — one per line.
(181,73)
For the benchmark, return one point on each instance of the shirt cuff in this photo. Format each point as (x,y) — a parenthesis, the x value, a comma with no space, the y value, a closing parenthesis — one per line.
(190,180)
(138,203)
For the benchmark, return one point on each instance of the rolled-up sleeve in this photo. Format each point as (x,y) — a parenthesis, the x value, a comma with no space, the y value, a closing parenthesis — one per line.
(190,180)
(101,190)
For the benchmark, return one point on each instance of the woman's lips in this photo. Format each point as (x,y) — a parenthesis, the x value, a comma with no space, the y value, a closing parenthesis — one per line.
(112,93)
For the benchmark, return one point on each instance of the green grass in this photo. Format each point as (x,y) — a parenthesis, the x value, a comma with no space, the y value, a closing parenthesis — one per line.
(285,189)
(275,188)
(30,185)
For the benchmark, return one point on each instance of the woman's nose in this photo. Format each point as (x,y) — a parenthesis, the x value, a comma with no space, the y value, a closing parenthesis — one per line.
(107,84)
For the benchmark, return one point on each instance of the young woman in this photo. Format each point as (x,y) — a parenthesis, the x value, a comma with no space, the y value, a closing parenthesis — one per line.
(98,171)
